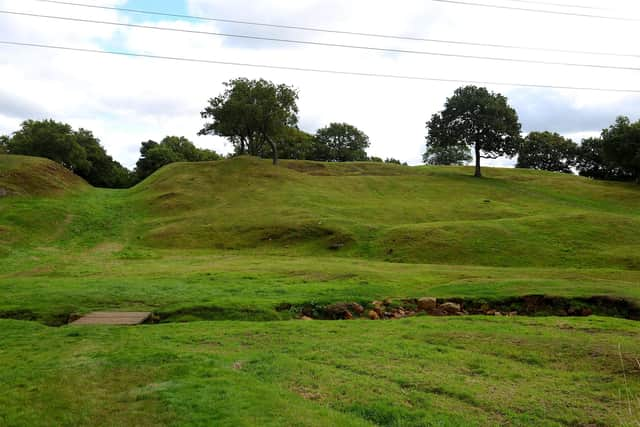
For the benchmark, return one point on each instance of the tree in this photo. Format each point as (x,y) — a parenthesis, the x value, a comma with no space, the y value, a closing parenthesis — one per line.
(4,142)
(252,114)
(79,151)
(295,144)
(475,118)
(341,142)
(171,149)
(450,155)
(104,171)
(50,139)
(547,151)
(621,146)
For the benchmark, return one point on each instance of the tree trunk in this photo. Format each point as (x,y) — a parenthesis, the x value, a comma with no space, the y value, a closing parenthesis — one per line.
(478,173)
(274,151)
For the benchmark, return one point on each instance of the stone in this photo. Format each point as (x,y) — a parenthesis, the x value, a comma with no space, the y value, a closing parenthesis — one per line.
(427,303)
(306,318)
(373,315)
(450,308)
(357,308)
(388,301)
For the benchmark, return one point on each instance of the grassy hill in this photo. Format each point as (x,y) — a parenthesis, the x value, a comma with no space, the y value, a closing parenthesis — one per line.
(235,241)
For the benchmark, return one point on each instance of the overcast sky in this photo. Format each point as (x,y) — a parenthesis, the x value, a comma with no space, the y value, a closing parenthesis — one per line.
(127,100)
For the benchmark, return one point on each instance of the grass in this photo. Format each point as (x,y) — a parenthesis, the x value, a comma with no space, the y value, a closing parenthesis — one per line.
(228,242)
(413,372)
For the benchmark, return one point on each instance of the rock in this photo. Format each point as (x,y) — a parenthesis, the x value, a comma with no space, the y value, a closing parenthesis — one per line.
(338,311)
(377,304)
(513,313)
(586,312)
(490,312)
(373,315)
(306,318)
(497,313)
(450,308)
(357,308)
(388,301)
(427,303)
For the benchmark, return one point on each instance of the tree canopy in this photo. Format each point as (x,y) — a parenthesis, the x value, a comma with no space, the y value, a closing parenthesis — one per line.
(436,154)
(340,142)
(547,151)
(474,118)
(252,114)
(4,141)
(621,146)
(79,151)
(171,149)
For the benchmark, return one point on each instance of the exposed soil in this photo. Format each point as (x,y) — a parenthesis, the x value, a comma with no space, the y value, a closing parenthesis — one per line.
(387,309)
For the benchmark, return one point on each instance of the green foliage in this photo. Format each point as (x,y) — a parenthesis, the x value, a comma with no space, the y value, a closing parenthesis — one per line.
(375,159)
(295,144)
(445,155)
(590,161)
(341,142)
(475,118)
(53,140)
(253,114)
(621,146)
(171,149)
(547,151)
(613,156)
(4,142)
(393,161)
(79,151)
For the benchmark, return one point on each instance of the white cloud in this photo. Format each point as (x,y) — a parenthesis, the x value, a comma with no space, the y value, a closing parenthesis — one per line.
(128,100)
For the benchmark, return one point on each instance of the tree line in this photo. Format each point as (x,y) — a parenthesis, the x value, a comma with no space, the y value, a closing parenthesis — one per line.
(260,118)
(477,120)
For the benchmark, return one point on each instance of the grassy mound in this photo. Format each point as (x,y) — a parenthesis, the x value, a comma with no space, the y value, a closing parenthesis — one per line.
(401,214)
(35,176)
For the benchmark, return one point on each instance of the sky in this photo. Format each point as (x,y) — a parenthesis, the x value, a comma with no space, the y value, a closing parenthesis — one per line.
(127,100)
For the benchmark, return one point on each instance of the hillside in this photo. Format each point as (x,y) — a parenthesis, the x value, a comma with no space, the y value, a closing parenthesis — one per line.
(401,214)
(35,176)
(228,255)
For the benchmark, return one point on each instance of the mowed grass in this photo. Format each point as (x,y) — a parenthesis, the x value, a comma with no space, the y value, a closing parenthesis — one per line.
(230,241)
(415,372)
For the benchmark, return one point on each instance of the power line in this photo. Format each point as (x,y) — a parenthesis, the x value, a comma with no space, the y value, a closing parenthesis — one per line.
(317,70)
(546,3)
(334,45)
(334,31)
(526,9)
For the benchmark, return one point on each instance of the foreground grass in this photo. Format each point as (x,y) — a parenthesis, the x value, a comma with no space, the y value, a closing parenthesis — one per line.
(413,372)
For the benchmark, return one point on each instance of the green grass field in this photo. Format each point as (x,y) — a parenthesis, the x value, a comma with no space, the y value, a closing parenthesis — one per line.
(213,249)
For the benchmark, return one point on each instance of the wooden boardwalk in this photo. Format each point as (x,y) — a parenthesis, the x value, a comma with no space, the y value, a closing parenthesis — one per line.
(113,318)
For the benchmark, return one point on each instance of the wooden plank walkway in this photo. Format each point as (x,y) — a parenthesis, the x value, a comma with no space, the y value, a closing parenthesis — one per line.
(113,318)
